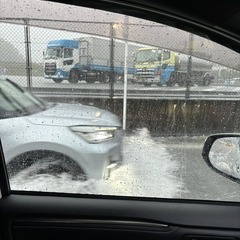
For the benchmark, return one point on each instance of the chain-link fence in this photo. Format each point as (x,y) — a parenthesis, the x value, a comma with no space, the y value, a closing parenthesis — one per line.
(88,58)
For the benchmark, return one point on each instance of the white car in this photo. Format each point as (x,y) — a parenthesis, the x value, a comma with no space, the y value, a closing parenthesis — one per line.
(83,140)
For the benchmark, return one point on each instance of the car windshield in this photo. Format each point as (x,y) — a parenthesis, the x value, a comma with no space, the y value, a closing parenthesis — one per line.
(15,101)
(54,53)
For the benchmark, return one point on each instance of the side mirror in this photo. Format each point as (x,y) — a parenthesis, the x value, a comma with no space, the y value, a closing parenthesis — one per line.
(221,152)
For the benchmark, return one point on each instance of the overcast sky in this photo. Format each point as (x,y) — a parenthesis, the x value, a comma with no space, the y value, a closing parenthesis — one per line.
(154,34)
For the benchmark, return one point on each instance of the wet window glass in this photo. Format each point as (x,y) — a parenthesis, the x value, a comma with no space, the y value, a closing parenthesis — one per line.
(94,102)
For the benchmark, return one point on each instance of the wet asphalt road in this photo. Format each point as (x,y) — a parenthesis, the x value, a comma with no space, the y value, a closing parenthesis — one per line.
(199,181)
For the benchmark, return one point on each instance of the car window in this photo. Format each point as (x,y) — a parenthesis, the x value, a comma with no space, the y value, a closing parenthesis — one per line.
(16,101)
(114,119)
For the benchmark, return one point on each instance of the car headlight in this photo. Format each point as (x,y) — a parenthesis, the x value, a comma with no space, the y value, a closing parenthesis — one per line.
(95,134)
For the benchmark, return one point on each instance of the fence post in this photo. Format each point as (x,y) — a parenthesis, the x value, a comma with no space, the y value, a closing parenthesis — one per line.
(189,66)
(111,75)
(126,21)
(28,53)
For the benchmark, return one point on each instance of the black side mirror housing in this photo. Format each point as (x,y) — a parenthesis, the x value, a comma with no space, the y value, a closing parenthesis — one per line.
(221,152)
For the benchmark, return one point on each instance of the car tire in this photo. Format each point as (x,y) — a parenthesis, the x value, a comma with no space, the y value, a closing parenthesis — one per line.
(47,162)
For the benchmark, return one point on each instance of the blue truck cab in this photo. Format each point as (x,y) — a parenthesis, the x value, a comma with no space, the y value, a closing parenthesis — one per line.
(60,57)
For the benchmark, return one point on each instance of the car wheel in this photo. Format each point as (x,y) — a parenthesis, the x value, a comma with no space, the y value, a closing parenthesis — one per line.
(45,162)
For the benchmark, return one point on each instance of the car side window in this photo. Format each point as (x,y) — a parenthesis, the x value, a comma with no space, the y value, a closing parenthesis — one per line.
(126,115)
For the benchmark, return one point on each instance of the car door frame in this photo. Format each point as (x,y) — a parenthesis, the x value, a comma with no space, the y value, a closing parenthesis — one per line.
(171,218)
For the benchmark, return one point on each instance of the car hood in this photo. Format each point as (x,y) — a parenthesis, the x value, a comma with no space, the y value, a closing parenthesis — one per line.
(63,114)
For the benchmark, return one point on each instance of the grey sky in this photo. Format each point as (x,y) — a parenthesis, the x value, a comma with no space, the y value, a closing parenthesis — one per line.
(153,34)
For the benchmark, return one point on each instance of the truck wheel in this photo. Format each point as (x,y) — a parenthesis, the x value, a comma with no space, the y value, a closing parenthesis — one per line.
(73,78)
(57,80)
(181,83)
(119,78)
(170,84)
(206,80)
(206,83)
(171,81)
(105,78)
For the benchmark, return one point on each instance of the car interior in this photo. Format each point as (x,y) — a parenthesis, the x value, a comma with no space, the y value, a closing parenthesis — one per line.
(51,215)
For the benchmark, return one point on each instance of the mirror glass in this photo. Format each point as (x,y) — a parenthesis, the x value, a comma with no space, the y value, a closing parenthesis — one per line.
(225,155)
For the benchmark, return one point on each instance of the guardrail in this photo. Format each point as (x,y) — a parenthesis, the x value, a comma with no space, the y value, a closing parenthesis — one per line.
(146,93)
